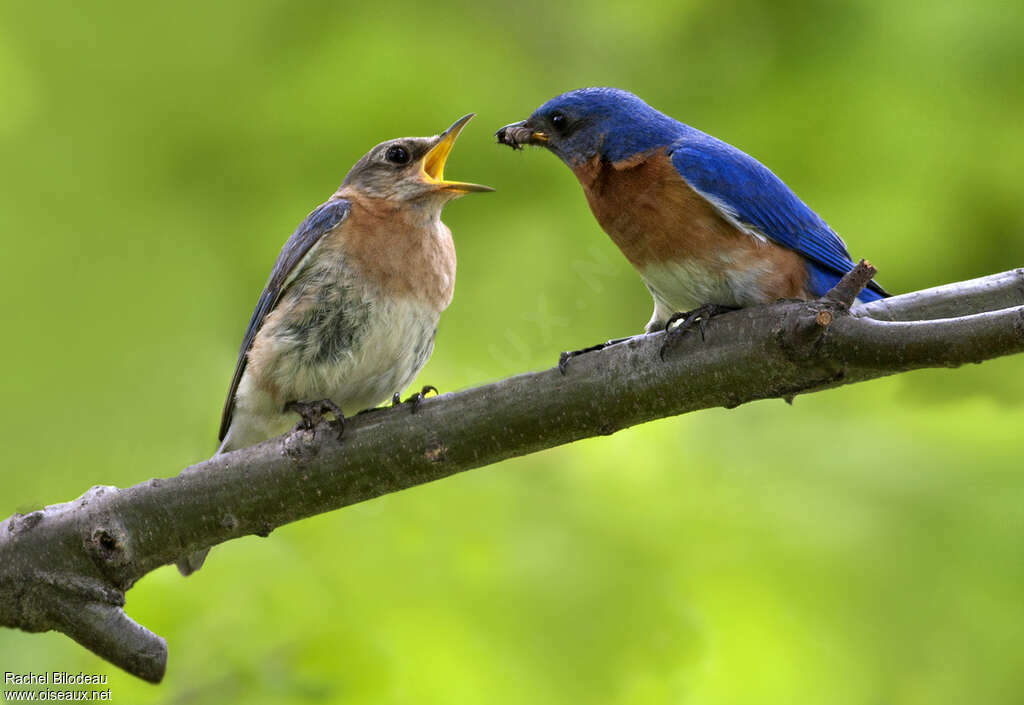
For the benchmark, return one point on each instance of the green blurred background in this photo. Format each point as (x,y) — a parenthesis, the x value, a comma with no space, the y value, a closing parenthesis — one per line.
(864,546)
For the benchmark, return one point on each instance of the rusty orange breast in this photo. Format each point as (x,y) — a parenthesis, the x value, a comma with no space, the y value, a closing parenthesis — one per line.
(657,219)
(406,253)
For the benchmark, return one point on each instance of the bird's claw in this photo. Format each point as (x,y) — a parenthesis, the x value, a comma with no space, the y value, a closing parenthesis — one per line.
(700,315)
(312,413)
(417,398)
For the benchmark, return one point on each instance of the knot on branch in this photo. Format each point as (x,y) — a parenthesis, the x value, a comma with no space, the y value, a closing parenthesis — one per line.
(804,326)
(264,529)
(300,446)
(435,451)
(24,522)
(108,543)
(105,539)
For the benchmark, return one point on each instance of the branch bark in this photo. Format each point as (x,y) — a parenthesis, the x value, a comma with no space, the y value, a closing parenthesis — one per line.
(67,567)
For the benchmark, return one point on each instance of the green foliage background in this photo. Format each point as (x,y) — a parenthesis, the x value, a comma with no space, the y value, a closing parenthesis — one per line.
(863,546)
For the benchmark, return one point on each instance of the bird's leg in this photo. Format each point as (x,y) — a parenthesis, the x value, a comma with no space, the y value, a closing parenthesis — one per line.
(563,359)
(312,413)
(700,315)
(417,398)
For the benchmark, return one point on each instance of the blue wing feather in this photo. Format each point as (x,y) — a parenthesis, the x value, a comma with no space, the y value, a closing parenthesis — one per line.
(755,197)
(321,221)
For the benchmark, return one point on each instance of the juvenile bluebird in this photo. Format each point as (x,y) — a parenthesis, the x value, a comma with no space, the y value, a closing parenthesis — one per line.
(348,316)
(708,227)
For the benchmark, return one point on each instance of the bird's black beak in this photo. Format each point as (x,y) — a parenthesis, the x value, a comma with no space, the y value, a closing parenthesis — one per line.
(519,133)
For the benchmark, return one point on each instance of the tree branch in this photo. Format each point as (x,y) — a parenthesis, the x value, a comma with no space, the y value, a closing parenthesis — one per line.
(67,567)
(989,293)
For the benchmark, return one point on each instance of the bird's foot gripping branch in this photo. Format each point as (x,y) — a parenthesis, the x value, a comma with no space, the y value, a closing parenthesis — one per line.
(67,567)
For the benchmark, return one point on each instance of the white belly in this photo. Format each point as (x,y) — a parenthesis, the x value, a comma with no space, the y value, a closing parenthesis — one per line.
(381,361)
(686,284)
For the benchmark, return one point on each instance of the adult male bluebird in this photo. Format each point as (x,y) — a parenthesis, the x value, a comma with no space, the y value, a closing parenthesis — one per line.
(708,227)
(349,314)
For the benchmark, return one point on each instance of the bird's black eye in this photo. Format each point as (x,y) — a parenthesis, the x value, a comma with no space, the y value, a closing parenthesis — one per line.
(397,154)
(559,121)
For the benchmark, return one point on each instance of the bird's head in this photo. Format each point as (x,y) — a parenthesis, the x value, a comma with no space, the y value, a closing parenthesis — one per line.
(592,122)
(411,169)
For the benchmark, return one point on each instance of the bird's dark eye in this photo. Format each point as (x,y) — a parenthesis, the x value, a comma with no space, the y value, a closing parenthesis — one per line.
(397,154)
(559,121)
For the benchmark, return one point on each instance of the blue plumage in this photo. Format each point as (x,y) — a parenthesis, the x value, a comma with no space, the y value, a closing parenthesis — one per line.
(619,127)
(755,197)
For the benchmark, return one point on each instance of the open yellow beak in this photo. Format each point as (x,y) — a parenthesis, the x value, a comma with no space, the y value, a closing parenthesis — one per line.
(434,160)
